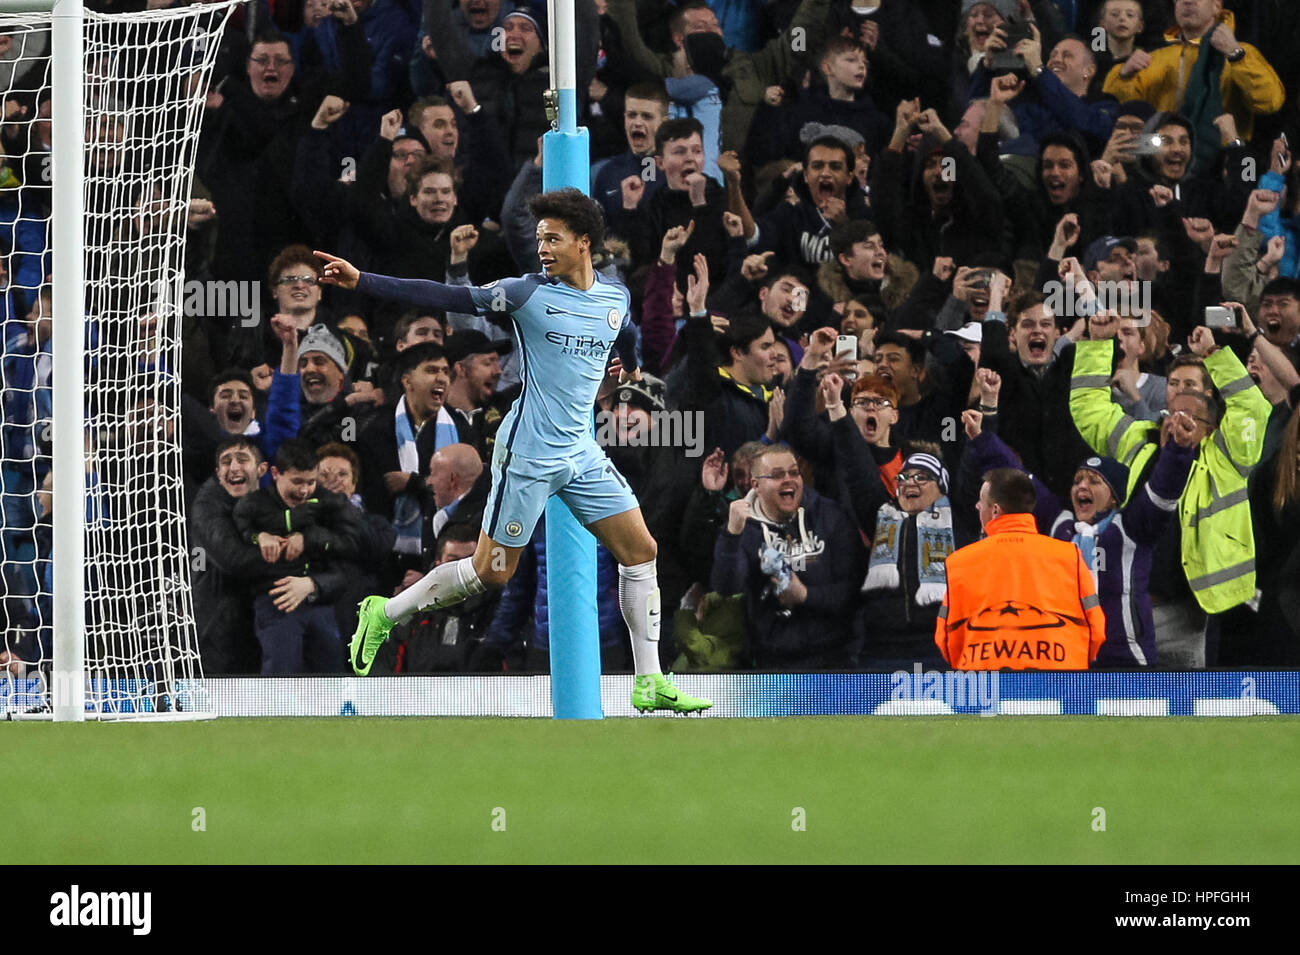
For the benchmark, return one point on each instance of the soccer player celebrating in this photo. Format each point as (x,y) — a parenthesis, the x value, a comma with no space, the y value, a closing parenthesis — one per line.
(567,319)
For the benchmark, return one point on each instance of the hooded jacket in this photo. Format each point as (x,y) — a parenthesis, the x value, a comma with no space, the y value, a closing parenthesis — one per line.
(970,224)
(748,74)
(885,296)
(1032,217)
(800,233)
(824,550)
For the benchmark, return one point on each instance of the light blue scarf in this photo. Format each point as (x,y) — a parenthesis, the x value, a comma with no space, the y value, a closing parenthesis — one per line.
(934,540)
(1085,538)
(406,507)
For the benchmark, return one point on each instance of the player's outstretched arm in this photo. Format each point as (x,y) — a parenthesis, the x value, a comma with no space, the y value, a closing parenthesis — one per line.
(420,292)
(338,271)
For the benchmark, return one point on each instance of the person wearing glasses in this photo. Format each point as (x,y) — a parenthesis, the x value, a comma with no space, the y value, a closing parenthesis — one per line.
(251,125)
(797,559)
(1208,566)
(873,409)
(294,279)
(911,524)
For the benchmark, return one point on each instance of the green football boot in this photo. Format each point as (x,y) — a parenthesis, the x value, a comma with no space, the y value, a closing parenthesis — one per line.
(655,691)
(372,631)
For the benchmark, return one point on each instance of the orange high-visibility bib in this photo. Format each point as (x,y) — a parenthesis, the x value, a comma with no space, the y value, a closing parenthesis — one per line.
(1019,600)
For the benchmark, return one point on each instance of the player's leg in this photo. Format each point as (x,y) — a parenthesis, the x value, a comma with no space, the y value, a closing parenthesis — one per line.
(490,566)
(601,499)
(628,539)
(515,502)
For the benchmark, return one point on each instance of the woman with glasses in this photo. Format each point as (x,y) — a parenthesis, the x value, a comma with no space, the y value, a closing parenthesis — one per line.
(911,526)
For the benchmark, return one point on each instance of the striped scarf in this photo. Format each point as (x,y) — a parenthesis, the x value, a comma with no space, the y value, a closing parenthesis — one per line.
(935,542)
(406,507)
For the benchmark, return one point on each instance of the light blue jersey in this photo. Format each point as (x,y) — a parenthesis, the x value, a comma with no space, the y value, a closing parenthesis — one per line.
(545,444)
(565,337)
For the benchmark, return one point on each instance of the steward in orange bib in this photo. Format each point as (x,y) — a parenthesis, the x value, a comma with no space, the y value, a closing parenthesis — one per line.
(1018,599)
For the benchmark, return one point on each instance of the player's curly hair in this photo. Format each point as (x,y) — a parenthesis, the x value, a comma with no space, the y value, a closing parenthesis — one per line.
(581,214)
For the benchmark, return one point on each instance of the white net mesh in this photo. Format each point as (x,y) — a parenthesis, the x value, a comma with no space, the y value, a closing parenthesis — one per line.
(145,80)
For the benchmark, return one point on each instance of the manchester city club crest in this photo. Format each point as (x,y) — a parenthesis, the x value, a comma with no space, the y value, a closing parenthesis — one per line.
(514,529)
(614,319)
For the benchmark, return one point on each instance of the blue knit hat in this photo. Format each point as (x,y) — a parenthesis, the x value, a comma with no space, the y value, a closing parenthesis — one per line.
(1112,472)
(536,14)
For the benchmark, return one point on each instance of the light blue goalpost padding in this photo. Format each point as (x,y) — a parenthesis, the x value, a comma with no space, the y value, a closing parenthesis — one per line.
(570,548)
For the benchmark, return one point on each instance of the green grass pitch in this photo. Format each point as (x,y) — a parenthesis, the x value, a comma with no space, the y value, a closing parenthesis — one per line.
(656,790)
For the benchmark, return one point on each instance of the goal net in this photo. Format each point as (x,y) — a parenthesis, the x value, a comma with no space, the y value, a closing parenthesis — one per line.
(144,82)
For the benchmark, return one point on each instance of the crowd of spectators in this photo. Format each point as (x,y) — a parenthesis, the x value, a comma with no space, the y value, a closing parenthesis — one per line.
(877,247)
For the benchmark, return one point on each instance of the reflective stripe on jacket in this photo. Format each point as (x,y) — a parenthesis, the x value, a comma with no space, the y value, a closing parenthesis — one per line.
(1218,542)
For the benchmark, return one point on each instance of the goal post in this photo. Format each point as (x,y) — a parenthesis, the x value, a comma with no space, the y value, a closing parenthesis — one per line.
(99,139)
(67,238)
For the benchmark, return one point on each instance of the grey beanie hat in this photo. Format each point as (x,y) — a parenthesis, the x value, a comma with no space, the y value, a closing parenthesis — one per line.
(319,338)
(1007,9)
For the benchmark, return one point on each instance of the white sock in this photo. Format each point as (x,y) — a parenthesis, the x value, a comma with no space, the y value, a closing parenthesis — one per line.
(638,598)
(446,584)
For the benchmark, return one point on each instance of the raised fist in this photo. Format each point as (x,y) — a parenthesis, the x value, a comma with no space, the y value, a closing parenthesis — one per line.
(463,238)
(390,123)
(696,183)
(739,512)
(462,94)
(1161,196)
(633,189)
(328,113)
(1139,61)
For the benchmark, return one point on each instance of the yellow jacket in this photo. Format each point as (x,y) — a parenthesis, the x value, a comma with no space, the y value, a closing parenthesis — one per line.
(1248,87)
